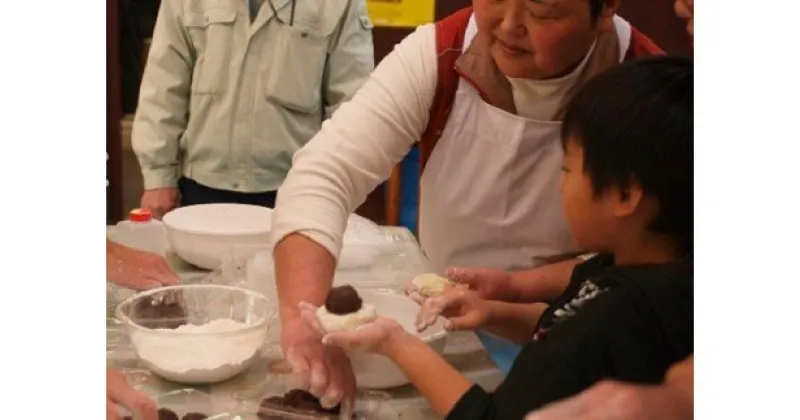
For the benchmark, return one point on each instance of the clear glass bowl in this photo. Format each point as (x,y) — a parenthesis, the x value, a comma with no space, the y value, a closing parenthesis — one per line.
(161,340)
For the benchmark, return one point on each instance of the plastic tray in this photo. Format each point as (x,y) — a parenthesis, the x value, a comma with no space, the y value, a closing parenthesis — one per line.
(370,405)
(189,400)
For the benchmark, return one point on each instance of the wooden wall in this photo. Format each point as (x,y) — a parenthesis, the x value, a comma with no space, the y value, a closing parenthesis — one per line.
(113,116)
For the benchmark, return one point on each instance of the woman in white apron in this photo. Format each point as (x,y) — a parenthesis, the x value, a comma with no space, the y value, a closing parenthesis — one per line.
(489,194)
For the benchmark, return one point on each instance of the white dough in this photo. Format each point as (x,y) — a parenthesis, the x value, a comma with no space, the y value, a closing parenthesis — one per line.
(430,284)
(332,322)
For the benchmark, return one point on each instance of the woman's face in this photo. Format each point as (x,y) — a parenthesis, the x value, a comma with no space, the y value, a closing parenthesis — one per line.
(540,39)
(685,9)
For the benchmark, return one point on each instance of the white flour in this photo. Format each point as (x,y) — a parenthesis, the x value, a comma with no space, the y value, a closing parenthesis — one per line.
(182,358)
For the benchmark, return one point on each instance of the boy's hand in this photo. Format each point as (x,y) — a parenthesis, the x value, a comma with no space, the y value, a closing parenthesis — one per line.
(489,284)
(463,309)
(413,291)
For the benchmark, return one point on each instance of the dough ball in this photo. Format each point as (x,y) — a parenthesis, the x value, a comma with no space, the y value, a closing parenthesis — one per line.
(430,284)
(333,322)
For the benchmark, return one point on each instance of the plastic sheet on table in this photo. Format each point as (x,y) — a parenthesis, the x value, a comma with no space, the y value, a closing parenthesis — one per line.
(191,404)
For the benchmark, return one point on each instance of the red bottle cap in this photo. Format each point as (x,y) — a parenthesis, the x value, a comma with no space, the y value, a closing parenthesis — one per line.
(140,215)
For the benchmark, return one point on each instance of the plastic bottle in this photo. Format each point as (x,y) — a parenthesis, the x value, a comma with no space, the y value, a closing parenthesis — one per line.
(141,231)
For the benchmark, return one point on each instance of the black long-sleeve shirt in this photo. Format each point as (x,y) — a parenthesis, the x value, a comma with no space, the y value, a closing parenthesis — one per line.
(625,323)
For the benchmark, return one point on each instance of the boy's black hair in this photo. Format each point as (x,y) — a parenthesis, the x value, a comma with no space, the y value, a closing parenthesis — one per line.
(636,122)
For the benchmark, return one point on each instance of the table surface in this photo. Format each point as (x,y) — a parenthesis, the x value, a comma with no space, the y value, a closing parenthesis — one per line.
(463,350)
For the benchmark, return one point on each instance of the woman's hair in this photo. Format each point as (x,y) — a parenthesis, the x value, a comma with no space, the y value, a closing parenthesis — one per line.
(596,7)
(635,123)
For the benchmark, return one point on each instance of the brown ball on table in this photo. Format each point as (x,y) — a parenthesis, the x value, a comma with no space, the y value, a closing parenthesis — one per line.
(194,416)
(295,401)
(167,414)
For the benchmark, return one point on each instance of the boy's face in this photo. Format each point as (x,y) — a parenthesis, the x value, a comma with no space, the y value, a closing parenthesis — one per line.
(590,218)
(599,221)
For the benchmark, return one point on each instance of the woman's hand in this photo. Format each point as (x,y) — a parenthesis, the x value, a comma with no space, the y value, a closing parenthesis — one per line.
(137,269)
(378,336)
(118,392)
(463,309)
(612,400)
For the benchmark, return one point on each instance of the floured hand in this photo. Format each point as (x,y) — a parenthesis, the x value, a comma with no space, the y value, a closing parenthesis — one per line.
(463,309)
(427,285)
(324,371)
(489,284)
(374,337)
(137,269)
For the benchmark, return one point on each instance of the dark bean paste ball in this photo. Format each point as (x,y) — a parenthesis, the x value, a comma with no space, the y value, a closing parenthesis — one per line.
(194,416)
(167,414)
(168,315)
(343,300)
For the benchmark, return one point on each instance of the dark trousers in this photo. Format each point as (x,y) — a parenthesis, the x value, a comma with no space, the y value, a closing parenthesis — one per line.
(193,193)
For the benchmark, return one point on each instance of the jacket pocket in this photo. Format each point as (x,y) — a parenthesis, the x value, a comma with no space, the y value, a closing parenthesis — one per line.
(297,67)
(211,33)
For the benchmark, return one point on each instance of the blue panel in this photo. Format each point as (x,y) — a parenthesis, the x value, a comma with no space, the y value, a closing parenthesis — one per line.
(409,190)
(501,351)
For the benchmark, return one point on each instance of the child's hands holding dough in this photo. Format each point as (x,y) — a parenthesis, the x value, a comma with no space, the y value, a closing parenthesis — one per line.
(374,337)
(427,285)
(463,309)
(343,310)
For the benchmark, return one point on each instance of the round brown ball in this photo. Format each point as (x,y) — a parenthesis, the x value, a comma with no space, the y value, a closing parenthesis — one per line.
(343,300)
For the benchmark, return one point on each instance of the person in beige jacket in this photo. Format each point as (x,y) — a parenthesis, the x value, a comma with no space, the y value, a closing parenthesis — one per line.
(232,89)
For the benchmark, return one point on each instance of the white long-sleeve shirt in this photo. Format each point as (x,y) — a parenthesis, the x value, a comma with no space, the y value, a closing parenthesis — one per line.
(356,150)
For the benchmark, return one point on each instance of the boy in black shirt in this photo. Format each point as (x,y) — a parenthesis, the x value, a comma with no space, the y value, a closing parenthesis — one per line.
(627,314)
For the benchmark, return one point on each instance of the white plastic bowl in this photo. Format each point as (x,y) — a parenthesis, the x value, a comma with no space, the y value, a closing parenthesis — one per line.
(204,234)
(374,371)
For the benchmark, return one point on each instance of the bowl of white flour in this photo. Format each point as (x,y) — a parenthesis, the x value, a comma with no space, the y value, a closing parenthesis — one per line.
(197,334)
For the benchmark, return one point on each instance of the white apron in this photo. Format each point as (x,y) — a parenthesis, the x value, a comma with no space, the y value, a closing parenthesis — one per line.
(489,193)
